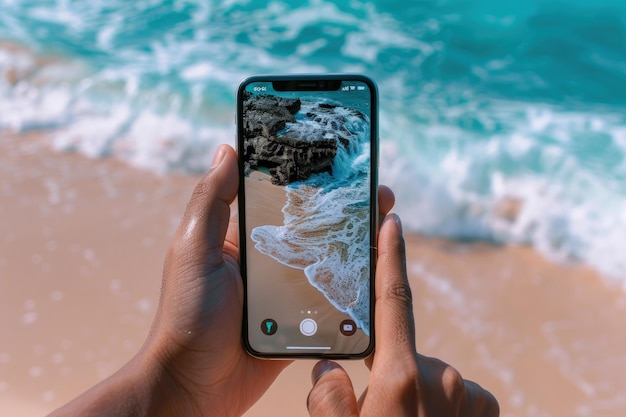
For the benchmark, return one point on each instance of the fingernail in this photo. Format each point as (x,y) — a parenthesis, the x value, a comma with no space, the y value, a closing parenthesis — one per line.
(322,368)
(398,223)
(218,157)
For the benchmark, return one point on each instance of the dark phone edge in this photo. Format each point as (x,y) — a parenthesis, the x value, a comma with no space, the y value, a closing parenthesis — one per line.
(374,217)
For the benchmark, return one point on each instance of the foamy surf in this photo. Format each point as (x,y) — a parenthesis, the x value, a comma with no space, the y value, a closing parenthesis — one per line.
(541,176)
(326,235)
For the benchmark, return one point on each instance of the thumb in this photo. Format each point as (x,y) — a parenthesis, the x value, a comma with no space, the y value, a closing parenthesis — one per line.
(332,393)
(201,233)
(196,250)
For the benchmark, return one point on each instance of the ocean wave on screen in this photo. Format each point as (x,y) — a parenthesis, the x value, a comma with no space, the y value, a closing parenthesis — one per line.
(326,234)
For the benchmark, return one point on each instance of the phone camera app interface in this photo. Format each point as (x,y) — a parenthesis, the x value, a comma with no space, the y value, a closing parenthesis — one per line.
(307,184)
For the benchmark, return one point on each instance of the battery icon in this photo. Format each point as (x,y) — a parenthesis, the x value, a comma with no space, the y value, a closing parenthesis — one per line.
(360,87)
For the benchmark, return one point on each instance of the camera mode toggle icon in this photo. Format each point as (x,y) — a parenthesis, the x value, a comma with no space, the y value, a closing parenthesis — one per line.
(269,326)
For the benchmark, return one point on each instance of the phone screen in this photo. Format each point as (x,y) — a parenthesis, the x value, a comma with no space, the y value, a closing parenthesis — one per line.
(308,214)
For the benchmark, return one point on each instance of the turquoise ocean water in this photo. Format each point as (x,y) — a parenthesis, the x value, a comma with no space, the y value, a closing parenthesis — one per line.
(502,121)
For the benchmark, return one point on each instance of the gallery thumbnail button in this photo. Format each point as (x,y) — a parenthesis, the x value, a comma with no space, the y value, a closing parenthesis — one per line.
(347,327)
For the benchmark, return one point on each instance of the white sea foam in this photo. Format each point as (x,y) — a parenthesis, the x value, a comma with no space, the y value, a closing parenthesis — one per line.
(146,140)
(454,182)
(326,235)
(65,96)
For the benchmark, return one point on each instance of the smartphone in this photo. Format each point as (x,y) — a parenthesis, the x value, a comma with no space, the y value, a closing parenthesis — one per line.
(308,156)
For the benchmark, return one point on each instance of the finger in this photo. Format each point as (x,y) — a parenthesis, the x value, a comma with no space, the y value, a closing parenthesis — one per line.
(206,218)
(446,392)
(332,394)
(478,401)
(386,200)
(362,398)
(231,243)
(369,360)
(394,324)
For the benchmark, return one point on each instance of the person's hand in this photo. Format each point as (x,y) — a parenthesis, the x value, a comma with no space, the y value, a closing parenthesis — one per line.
(402,382)
(196,334)
(193,362)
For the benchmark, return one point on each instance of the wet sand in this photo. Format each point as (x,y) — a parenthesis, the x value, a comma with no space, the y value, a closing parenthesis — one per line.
(81,249)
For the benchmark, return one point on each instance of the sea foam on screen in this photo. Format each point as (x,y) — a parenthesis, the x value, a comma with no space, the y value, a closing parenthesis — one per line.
(501,121)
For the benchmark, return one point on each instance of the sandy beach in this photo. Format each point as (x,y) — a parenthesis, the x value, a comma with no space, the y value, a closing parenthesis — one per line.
(82,243)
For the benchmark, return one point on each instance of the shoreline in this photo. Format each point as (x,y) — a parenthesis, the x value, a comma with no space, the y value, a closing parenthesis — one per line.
(82,243)
(265,202)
